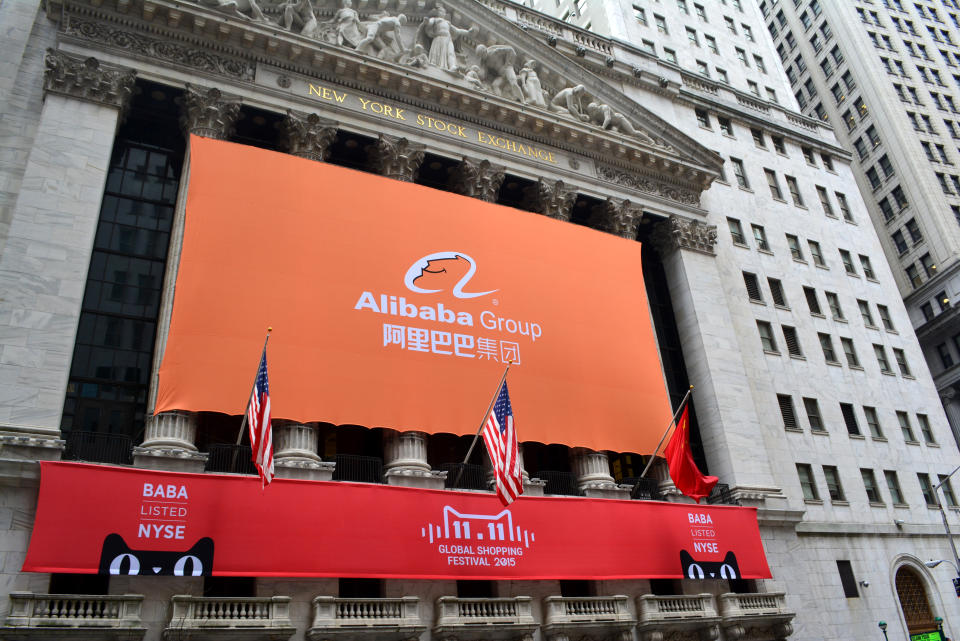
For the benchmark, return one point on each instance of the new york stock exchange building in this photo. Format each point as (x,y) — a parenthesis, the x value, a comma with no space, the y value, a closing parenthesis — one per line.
(413,195)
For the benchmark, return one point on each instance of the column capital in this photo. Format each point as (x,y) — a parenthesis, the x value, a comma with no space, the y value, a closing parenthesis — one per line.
(551,198)
(208,112)
(677,232)
(88,79)
(308,135)
(396,158)
(618,217)
(478,179)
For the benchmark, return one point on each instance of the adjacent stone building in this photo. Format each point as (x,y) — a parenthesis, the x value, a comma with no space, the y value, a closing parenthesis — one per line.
(766,281)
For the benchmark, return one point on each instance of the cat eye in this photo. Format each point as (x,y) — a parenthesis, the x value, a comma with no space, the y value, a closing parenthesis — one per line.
(132,564)
(195,567)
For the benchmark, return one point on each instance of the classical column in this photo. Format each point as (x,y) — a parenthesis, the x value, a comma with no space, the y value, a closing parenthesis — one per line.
(295,452)
(406,463)
(49,239)
(593,475)
(396,158)
(550,198)
(478,179)
(618,217)
(951,405)
(210,113)
(308,135)
(727,425)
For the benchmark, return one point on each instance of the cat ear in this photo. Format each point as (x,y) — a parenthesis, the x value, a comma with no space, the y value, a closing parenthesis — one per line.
(731,559)
(115,544)
(685,558)
(203,548)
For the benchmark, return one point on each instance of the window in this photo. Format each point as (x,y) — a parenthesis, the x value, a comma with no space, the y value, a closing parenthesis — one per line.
(847,261)
(753,87)
(925,429)
(703,118)
(832,477)
(701,13)
(711,43)
(794,244)
(847,579)
(886,209)
(682,5)
(850,352)
(844,206)
(850,419)
(760,237)
(807,483)
(870,485)
(640,15)
(946,359)
(722,75)
(793,343)
(884,314)
(914,276)
(873,421)
(776,292)
(778,145)
(881,353)
(927,489)
(758,139)
(905,428)
(927,310)
(692,37)
(812,408)
(893,485)
(812,303)
(901,358)
(899,241)
(867,267)
(826,344)
(726,127)
(947,489)
(899,197)
(670,55)
(767,341)
(747,32)
(773,184)
(731,26)
(874,178)
(833,302)
(736,231)
(808,156)
(753,287)
(758,62)
(786,411)
(816,253)
(825,201)
(648,46)
(914,230)
(739,173)
(794,189)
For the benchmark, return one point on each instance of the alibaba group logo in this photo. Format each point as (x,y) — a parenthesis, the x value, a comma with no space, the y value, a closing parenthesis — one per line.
(442,271)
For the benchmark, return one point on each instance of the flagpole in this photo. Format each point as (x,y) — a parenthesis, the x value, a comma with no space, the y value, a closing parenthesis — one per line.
(482,423)
(243,424)
(672,421)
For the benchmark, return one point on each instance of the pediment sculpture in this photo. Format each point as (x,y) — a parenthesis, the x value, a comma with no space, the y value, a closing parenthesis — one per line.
(434,44)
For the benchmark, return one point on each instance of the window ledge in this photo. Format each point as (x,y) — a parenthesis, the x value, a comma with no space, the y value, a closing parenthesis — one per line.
(765,251)
(744,245)
(910,377)
(870,326)
(858,437)
(853,274)
(834,363)
(819,266)
(892,331)
(800,206)
(813,501)
(933,445)
(879,439)
(887,373)
(775,353)
(856,367)
(746,189)
(839,320)
(817,315)
(820,432)
(798,357)
(780,200)
(793,429)
(783,307)
(757,302)
(880,504)
(800,260)
(842,502)
(901,505)
(917,443)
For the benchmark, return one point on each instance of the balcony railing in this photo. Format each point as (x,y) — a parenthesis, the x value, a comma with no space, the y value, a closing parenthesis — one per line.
(721,494)
(223,618)
(469,619)
(98,447)
(562,483)
(758,604)
(361,469)
(373,619)
(230,459)
(471,477)
(573,617)
(45,615)
(653,608)
(644,489)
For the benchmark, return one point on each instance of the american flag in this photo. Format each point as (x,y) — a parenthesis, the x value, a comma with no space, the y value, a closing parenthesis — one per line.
(501,440)
(258,420)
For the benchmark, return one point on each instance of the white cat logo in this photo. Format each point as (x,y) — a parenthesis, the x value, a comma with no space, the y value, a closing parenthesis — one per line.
(433,273)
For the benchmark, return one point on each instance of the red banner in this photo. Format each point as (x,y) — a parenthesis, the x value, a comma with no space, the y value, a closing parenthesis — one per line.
(94,518)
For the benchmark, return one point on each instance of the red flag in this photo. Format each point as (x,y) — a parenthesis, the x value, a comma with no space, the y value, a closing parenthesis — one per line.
(683,470)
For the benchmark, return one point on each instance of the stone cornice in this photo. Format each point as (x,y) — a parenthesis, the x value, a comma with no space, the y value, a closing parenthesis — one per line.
(201,39)
(87,79)
(684,233)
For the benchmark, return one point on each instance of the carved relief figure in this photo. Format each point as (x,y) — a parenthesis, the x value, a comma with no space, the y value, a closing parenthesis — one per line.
(530,84)
(604,116)
(568,100)
(438,36)
(347,22)
(472,76)
(497,63)
(247,9)
(298,13)
(415,58)
(383,38)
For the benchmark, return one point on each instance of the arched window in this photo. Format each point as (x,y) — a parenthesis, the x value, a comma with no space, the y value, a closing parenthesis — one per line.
(913,601)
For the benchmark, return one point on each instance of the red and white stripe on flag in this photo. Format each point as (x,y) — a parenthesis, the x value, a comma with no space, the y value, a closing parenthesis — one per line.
(500,437)
(258,420)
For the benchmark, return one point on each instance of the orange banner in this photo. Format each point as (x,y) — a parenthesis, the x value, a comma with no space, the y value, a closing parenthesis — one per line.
(395,305)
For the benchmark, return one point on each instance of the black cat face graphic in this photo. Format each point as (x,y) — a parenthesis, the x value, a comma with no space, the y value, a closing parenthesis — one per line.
(117,558)
(726,569)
